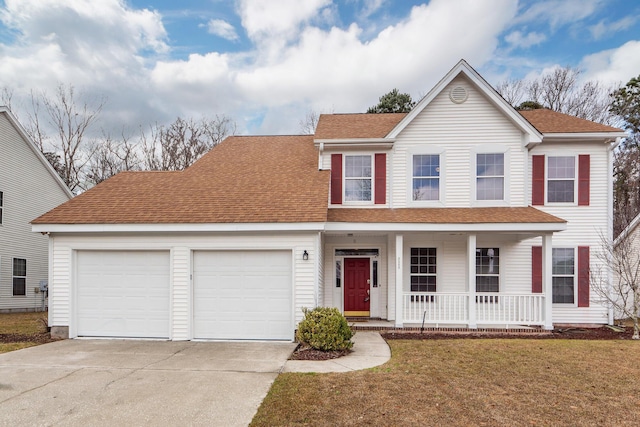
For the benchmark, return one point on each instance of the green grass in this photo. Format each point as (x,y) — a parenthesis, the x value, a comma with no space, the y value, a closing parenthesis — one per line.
(470,382)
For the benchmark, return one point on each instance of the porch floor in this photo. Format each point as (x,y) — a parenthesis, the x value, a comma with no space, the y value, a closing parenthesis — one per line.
(383,325)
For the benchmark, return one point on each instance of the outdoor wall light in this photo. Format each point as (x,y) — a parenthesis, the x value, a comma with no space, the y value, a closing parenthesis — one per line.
(305,255)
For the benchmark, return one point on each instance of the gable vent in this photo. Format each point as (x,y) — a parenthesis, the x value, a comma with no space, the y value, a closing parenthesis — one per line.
(458,94)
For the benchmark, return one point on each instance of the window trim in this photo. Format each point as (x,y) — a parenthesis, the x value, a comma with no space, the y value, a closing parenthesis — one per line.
(574,276)
(371,201)
(14,276)
(547,179)
(473,175)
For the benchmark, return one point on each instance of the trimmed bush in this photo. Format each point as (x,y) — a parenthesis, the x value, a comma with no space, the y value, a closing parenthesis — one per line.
(325,328)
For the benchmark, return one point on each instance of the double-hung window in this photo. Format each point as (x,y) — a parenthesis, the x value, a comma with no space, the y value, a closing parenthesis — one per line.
(426,177)
(357,178)
(490,176)
(423,269)
(561,179)
(19,276)
(487,269)
(563,275)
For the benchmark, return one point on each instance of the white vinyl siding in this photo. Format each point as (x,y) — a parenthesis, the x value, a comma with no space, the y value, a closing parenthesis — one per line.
(29,190)
(461,129)
(585,226)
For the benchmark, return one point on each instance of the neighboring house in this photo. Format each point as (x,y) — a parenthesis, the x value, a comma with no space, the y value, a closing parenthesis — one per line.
(626,266)
(29,187)
(463,212)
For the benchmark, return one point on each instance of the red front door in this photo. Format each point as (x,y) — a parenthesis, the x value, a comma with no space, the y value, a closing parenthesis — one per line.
(356,286)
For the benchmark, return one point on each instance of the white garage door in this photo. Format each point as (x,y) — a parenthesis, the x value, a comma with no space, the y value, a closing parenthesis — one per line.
(123,294)
(242,295)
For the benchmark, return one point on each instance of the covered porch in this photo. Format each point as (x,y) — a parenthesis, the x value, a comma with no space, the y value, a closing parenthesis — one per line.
(473,274)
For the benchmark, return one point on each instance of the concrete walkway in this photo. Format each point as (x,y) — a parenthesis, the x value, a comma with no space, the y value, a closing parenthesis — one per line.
(369,350)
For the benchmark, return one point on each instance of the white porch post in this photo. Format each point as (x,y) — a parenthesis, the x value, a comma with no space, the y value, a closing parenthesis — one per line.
(471,279)
(399,282)
(547,282)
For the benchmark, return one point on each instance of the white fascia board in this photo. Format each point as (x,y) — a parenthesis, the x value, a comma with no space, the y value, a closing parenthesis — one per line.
(606,137)
(458,228)
(481,84)
(172,228)
(355,143)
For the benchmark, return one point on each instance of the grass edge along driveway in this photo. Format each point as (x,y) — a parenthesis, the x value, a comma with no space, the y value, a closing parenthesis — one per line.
(470,382)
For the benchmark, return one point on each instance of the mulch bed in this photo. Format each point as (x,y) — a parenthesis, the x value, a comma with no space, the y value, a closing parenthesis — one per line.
(602,333)
(40,338)
(307,353)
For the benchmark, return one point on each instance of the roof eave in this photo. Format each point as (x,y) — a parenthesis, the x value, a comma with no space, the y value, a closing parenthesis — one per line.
(544,227)
(606,137)
(180,228)
(377,143)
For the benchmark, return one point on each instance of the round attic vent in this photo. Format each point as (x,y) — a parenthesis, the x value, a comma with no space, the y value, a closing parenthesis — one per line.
(458,94)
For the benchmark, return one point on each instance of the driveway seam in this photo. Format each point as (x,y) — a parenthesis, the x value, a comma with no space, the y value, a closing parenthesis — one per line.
(43,385)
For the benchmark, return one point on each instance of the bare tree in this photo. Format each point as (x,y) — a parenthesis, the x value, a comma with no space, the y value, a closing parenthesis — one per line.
(621,258)
(111,156)
(178,145)
(70,122)
(561,91)
(6,98)
(309,123)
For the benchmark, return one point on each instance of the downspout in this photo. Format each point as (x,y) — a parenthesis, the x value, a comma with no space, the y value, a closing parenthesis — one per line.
(320,151)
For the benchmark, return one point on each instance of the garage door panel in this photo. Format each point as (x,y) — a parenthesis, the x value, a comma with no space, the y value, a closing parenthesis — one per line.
(123,294)
(243,295)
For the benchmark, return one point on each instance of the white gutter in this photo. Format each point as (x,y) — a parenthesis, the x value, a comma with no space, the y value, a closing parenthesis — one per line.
(456,228)
(170,228)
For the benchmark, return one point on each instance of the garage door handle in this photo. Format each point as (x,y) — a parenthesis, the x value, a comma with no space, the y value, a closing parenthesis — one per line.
(366,299)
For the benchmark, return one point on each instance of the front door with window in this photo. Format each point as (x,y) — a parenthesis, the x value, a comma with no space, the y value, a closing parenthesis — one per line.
(356,286)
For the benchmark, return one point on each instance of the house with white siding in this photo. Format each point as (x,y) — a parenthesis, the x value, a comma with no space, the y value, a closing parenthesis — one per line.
(29,187)
(462,213)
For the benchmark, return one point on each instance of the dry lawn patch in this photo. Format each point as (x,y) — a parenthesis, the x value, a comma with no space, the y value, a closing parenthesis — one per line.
(21,330)
(492,382)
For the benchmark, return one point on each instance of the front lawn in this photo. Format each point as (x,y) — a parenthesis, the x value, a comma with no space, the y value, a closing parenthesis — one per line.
(21,330)
(492,382)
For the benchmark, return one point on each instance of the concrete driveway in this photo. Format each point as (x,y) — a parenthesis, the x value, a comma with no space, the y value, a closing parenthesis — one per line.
(124,382)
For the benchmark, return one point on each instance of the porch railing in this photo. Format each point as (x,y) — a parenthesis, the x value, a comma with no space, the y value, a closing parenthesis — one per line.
(491,308)
(436,307)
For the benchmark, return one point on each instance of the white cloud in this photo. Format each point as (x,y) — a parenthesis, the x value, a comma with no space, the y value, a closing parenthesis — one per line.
(282,18)
(519,40)
(603,27)
(614,66)
(559,12)
(222,29)
(371,6)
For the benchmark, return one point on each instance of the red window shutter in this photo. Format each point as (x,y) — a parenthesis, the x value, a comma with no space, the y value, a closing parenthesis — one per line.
(537,182)
(536,269)
(336,179)
(583,276)
(381,179)
(584,172)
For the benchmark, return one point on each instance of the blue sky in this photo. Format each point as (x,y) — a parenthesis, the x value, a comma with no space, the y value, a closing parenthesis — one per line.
(266,63)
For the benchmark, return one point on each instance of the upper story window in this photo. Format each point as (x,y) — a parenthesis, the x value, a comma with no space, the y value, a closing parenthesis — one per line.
(561,179)
(19,276)
(1,205)
(490,176)
(357,178)
(426,177)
